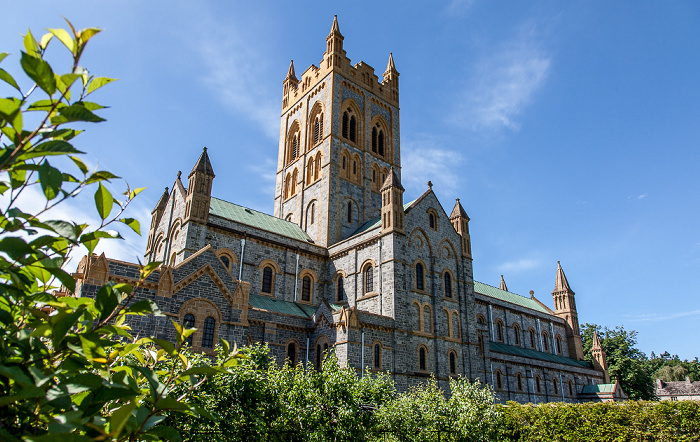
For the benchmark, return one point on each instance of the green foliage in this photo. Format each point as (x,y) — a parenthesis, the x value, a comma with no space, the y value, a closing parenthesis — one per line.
(626,363)
(665,362)
(622,421)
(69,369)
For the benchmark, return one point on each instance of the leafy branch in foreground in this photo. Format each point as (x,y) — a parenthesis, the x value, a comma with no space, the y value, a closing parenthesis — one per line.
(69,368)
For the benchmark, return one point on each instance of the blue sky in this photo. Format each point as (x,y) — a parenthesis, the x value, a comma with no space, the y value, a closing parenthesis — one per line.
(569,130)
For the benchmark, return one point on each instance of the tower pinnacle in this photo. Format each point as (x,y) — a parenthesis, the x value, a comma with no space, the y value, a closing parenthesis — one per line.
(503,284)
(561,284)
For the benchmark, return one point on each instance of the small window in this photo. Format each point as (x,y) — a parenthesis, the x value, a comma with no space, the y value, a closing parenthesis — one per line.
(516,333)
(341,289)
(448,285)
(369,279)
(538,384)
(545,342)
(519,378)
(420,284)
(480,320)
(421,359)
(381,143)
(499,380)
(292,354)
(188,322)
(431,220)
(555,386)
(558,342)
(208,332)
(353,129)
(453,363)
(499,331)
(481,345)
(377,357)
(267,280)
(533,343)
(224,259)
(346,123)
(374,139)
(306,289)
(571,388)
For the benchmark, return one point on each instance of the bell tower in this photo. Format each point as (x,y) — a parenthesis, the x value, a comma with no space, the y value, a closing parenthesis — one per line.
(339,140)
(565,308)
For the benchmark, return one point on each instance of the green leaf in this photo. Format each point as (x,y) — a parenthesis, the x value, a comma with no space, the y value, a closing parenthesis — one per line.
(97,83)
(86,34)
(133,223)
(135,192)
(45,39)
(149,268)
(7,78)
(120,417)
(165,432)
(64,229)
(16,248)
(106,301)
(78,162)
(66,279)
(157,387)
(93,348)
(103,201)
(58,437)
(101,175)
(75,112)
(63,324)
(46,106)
(39,71)
(50,179)
(144,307)
(3,55)
(65,38)
(10,111)
(31,45)
(53,147)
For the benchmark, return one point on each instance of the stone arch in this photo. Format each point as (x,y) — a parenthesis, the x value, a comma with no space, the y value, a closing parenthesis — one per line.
(380,138)
(344,163)
(307,273)
(339,291)
(264,283)
(422,358)
(356,169)
(225,254)
(350,107)
(376,177)
(417,313)
(201,308)
(369,279)
(420,233)
(316,125)
(427,314)
(420,282)
(452,359)
(433,219)
(321,347)
(446,245)
(311,217)
(293,142)
(448,283)
(292,359)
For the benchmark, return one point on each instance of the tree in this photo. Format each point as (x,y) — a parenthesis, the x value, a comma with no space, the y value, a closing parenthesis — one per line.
(626,363)
(663,365)
(69,369)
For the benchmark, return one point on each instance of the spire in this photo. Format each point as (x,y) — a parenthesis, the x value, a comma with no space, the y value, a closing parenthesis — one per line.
(290,73)
(596,341)
(561,285)
(203,164)
(503,284)
(459,211)
(392,181)
(390,67)
(335,29)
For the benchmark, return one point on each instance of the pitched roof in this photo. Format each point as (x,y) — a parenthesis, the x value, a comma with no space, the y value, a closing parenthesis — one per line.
(390,65)
(458,210)
(377,221)
(259,220)
(499,347)
(279,306)
(290,72)
(163,201)
(598,388)
(392,180)
(493,292)
(561,285)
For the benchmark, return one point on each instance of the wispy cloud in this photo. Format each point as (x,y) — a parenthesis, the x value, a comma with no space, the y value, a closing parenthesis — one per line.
(233,70)
(637,197)
(425,160)
(503,83)
(656,317)
(458,6)
(520,265)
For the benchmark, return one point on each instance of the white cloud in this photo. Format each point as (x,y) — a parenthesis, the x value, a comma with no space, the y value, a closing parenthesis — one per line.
(503,84)
(232,68)
(458,6)
(656,317)
(424,160)
(638,197)
(520,265)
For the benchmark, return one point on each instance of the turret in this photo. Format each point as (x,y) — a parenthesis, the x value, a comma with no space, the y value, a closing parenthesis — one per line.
(503,285)
(565,308)
(391,78)
(290,85)
(199,190)
(600,361)
(460,221)
(392,204)
(334,46)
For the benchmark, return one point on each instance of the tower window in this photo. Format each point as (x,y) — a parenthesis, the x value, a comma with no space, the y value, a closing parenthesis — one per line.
(538,385)
(453,363)
(421,359)
(208,332)
(267,280)
(377,357)
(448,285)
(516,332)
(354,167)
(532,339)
(420,284)
(369,279)
(374,139)
(353,129)
(499,380)
(349,212)
(380,138)
(292,353)
(306,289)
(520,382)
(499,331)
(188,322)
(346,120)
(341,289)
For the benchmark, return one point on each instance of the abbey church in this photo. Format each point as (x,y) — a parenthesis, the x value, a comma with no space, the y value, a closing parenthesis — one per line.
(349,263)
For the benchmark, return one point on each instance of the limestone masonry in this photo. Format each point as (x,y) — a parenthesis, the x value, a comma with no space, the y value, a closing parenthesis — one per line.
(346,264)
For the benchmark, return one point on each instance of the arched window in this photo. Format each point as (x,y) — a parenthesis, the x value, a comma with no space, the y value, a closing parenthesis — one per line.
(287,185)
(538,384)
(448,285)
(519,378)
(377,357)
(313,213)
(453,363)
(226,262)
(571,388)
(306,289)
(499,380)
(208,332)
(374,139)
(431,221)
(369,279)
(481,345)
(349,125)
(292,353)
(381,143)
(545,341)
(346,123)
(555,386)
(420,283)
(353,129)
(533,343)
(516,333)
(349,212)
(421,359)
(480,319)
(455,324)
(293,140)
(310,171)
(295,179)
(340,289)
(267,280)
(427,319)
(499,330)
(316,128)
(188,322)
(558,343)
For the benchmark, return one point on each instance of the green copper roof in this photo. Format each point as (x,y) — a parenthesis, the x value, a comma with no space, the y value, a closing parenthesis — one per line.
(278,306)
(376,221)
(499,347)
(253,218)
(493,292)
(599,388)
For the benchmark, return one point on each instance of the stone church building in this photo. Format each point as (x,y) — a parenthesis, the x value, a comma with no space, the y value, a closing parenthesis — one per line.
(347,262)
